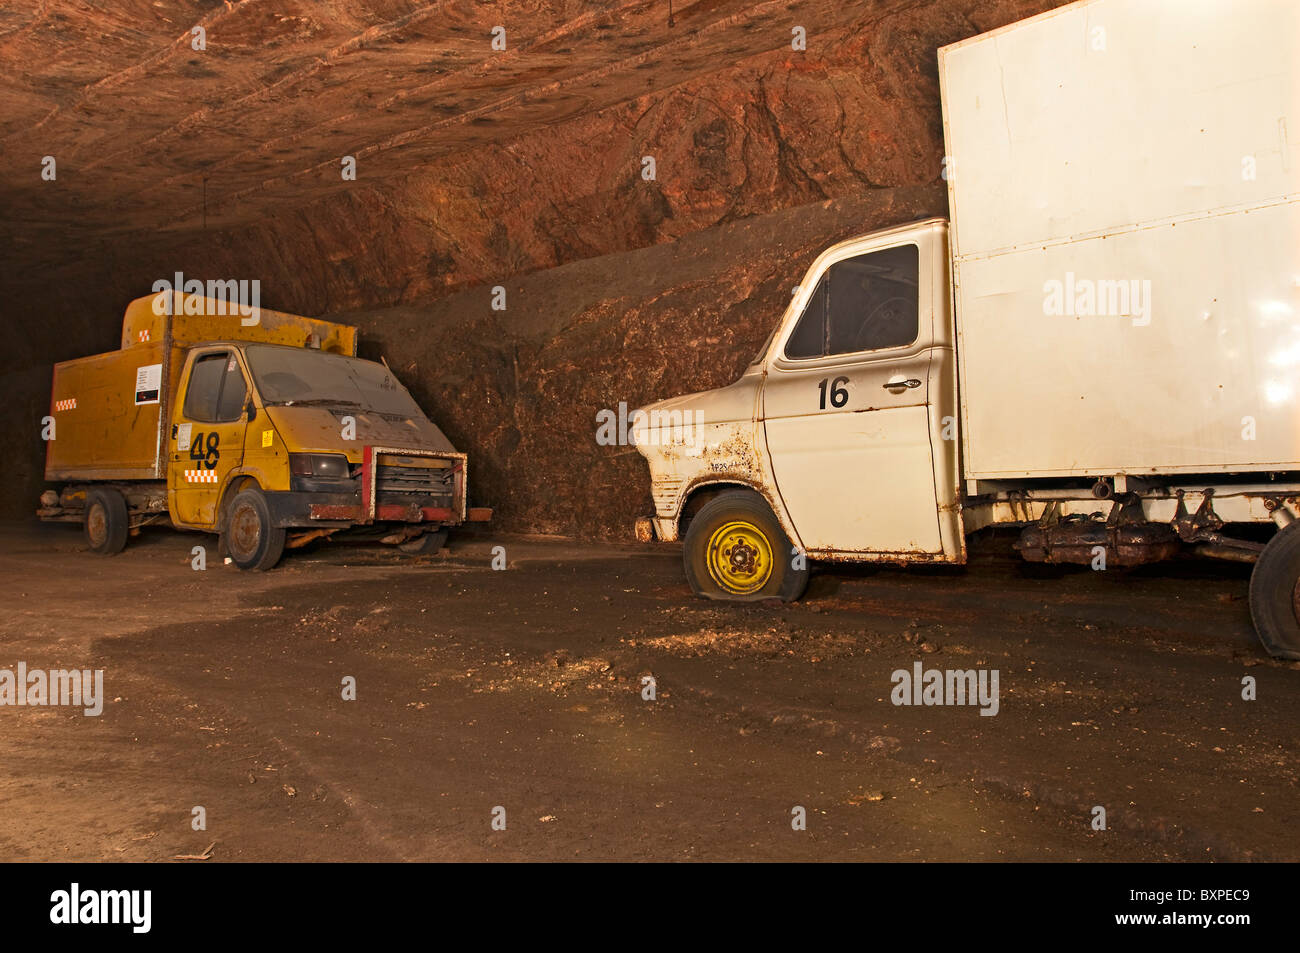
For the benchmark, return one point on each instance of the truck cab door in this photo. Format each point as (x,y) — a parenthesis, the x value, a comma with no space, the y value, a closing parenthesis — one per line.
(207,434)
(847,403)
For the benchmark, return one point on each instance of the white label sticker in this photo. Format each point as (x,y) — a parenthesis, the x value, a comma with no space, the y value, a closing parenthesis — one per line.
(148,384)
(183,435)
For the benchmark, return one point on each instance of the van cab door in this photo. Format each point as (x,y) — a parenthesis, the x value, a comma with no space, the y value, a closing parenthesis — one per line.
(207,434)
(847,402)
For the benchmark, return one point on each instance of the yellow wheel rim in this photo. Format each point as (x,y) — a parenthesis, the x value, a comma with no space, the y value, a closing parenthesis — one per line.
(739,557)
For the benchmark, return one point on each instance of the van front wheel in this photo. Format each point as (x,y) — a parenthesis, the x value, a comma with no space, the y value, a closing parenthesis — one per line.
(249,537)
(735,550)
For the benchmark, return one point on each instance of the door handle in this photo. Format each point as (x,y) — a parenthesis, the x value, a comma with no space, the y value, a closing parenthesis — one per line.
(897,386)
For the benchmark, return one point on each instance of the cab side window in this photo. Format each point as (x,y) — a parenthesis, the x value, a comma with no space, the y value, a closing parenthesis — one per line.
(809,337)
(216,390)
(864,303)
(234,392)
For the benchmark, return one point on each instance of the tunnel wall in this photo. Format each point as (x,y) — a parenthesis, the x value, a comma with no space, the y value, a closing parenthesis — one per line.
(619,288)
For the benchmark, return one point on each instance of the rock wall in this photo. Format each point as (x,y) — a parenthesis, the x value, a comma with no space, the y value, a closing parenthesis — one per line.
(519,390)
(619,288)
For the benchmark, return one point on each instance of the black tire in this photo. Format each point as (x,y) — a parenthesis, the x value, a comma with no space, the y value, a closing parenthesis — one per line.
(107,523)
(427,545)
(1274,599)
(248,536)
(736,551)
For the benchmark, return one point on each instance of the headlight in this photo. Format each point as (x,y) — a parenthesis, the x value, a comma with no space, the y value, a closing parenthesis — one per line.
(324,466)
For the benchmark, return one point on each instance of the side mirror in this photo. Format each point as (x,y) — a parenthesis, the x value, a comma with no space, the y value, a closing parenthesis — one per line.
(250,410)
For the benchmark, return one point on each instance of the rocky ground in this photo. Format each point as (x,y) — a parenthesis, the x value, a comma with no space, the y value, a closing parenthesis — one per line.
(522,689)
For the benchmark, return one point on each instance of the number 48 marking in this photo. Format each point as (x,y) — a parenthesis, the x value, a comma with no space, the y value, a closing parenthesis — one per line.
(208,454)
(839,393)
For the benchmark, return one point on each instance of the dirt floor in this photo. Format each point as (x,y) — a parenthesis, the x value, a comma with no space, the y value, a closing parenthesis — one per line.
(522,689)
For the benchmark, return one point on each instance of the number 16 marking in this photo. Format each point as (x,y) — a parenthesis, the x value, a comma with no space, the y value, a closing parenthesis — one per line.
(839,393)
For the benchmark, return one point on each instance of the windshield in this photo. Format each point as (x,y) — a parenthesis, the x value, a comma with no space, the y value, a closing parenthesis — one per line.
(293,376)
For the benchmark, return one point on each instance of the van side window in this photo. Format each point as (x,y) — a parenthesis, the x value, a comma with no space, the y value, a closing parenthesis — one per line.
(809,337)
(861,304)
(233,392)
(216,390)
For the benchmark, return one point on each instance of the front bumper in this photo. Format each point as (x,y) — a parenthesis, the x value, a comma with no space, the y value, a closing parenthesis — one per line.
(395,485)
(651,528)
(296,509)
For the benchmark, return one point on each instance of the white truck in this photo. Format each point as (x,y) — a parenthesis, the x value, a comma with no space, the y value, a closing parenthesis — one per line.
(1102,345)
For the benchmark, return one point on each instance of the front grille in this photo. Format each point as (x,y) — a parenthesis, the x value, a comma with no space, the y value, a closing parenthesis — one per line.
(416,480)
(421,481)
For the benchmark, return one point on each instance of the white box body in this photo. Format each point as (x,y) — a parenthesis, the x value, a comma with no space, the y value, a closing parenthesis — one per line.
(1141,143)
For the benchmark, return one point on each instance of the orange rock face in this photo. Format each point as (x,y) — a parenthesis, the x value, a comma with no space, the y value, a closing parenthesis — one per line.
(524,168)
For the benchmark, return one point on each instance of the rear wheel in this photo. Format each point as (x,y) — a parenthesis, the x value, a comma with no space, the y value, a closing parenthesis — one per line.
(1275,594)
(249,536)
(107,523)
(735,550)
(426,545)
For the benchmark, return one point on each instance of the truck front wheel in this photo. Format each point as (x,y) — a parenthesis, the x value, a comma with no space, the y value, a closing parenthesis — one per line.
(249,536)
(1275,594)
(107,523)
(735,550)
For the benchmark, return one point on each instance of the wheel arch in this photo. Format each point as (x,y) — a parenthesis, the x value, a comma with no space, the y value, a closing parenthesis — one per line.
(702,491)
(236,483)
